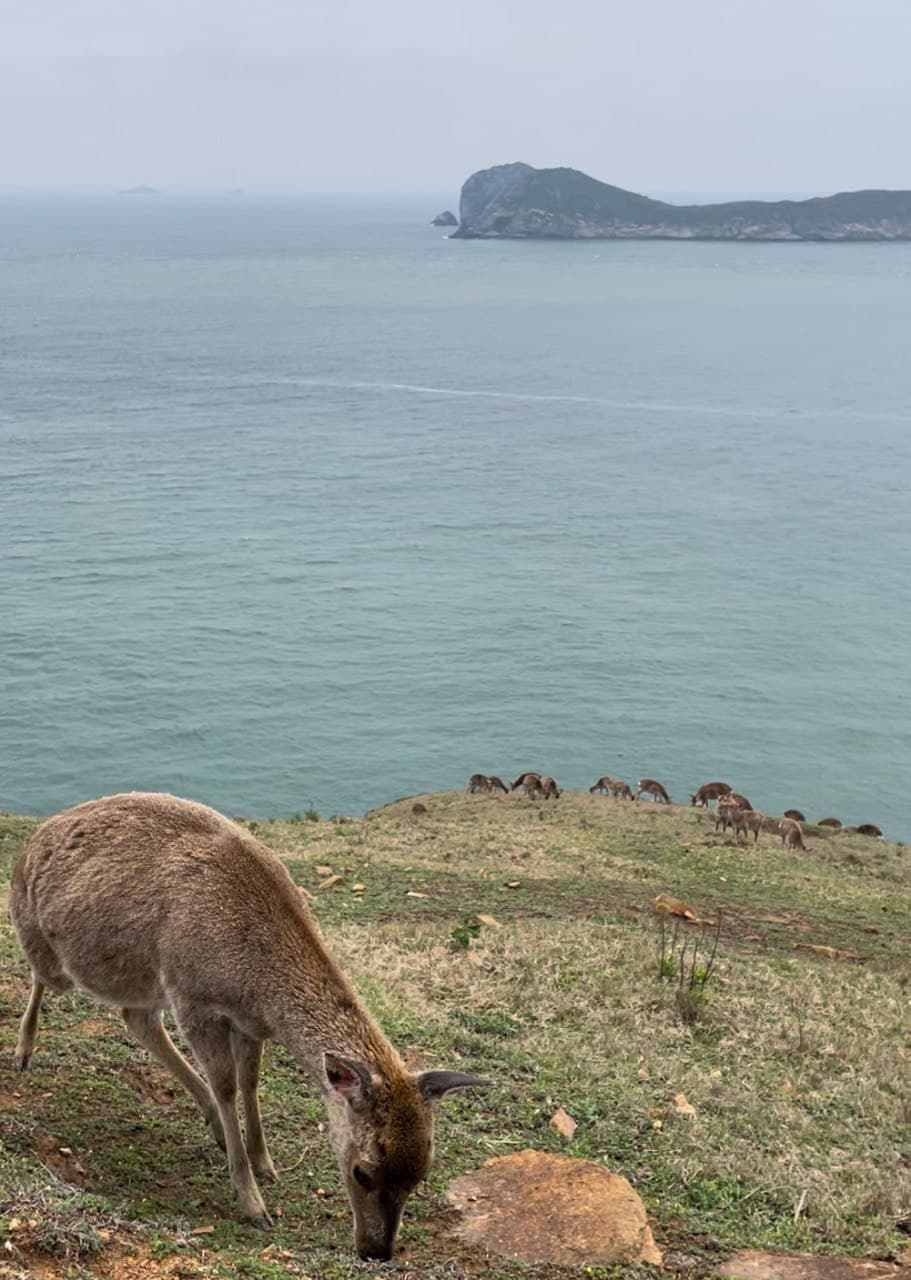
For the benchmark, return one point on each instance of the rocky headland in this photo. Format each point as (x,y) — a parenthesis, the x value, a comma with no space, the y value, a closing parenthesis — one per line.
(517,201)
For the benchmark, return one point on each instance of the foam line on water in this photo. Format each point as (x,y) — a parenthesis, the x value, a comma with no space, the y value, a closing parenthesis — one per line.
(643,406)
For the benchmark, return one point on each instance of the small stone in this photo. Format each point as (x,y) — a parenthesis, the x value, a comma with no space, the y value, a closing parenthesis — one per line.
(358,888)
(513,884)
(681,1106)
(644,1074)
(564,1124)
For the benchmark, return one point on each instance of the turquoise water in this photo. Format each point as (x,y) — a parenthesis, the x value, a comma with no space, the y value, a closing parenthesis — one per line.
(306,504)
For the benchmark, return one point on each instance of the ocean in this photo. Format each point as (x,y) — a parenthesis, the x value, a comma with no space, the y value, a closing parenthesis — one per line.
(303,504)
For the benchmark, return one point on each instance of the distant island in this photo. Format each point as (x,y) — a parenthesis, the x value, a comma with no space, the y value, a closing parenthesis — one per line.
(519,202)
(445,219)
(139,191)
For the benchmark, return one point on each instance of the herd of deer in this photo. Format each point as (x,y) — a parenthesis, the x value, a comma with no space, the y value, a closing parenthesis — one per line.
(733,809)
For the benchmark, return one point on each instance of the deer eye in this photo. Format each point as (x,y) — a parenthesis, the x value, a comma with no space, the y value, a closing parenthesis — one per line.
(362,1177)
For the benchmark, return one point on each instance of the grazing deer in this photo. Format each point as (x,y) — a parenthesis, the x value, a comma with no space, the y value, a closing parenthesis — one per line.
(533,786)
(523,779)
(834,823)
(869,829)
(607,783)
(549,789)
(748,820)
(649,787)
(478,782)
(791,834)
(710,791)
(741,801)
(149,902)
(622,790)
(497,784)
(795,814)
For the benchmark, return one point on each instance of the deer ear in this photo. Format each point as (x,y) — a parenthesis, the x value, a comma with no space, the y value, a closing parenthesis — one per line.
(351,1080)
(435,1085)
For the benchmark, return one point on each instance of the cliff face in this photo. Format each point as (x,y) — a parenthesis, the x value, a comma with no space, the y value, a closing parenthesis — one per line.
(516,201)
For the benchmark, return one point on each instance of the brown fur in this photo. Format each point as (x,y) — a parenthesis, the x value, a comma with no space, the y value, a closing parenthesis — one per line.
(726,813)
(478,782)
(606,783)
(834,823)
(650,787)
(497,784)
(710,791)
(791,834)
(795,814)
(549,789)
(149,902)
(746,820)
(869,829)
(741,801)
(523,779)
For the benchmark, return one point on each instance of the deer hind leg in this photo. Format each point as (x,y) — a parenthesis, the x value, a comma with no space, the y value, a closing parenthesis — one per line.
(248,1055)
(147,1027)
(28,1027)
(210,1039)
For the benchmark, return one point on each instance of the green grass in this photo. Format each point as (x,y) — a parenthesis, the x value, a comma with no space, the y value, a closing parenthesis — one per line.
(797,1065)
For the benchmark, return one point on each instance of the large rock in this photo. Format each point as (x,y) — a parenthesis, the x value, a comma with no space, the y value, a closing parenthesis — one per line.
(756,1264)
(445,219)
(534,1207)
(519,202)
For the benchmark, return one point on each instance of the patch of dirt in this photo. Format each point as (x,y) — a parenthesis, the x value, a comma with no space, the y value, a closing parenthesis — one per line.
(150,1083)
(55,1155)
(119,1262)
(99,1027)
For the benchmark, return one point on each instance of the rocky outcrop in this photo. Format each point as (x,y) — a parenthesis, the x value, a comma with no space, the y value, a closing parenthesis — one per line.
(515,201)
(445,219)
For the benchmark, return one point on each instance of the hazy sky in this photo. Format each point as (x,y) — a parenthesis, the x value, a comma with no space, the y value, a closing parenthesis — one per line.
(668,97)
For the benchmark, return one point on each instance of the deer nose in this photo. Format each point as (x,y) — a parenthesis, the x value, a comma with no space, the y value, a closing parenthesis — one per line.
(379,1252)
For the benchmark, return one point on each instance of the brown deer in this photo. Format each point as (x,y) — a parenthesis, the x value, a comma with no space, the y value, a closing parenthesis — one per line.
(741,801)
(497,784)
(795,814)
(746,820)
(869,829)
(791,834)
(725,813)
(649,787)
(607,783)
(523,779)
(149,902)
(549,789)
(710,791)
(622,790)
(478,782)
(834,823)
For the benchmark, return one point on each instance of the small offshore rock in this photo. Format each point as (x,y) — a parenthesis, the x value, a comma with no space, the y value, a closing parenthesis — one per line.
(445,219)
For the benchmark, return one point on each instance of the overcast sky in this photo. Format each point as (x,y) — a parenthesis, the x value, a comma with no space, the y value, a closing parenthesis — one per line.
(669,97)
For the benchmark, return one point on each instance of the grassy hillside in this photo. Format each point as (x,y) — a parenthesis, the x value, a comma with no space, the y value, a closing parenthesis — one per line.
(797,1061)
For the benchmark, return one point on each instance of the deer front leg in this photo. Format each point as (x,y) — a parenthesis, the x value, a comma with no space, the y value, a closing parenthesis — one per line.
(210,1039)
(248,1056)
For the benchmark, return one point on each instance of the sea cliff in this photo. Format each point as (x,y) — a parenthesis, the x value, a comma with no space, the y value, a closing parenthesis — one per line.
(516,201)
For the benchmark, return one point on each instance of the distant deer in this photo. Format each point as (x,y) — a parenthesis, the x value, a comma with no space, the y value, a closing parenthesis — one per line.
(478,782)
(834,823)
(869,829)
(791,834)
(746,820)
(622,790)
(607,783)
(649,787)
(741,801)
(549,789)
(710,791)
(795,814)
(725,814)
(497,784)
(523,779)
(149,902)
